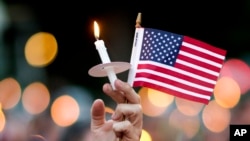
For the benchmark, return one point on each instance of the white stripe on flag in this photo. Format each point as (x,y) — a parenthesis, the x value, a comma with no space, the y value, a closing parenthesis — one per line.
(186,92)
(179,71)
(203,50)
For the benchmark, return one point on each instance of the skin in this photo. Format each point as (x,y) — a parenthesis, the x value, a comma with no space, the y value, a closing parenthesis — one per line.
(126,122)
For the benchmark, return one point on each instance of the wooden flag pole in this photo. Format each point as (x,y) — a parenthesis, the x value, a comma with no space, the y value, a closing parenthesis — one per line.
(138,21)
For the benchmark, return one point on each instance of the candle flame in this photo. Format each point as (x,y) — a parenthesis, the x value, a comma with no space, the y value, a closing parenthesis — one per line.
(96,30)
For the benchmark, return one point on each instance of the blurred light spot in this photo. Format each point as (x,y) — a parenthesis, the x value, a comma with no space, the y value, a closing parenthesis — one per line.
(2,119)
(241,114)
(148,108)
(159,98)
(190,125)
(10,93)
(213,136)
(215,117)
(225,71)
(109,110)
(227,92)
(4,17)
(65,110)
(187,107)
(145,136)
(41,49)
(36,98)
(239,71)
(82,96)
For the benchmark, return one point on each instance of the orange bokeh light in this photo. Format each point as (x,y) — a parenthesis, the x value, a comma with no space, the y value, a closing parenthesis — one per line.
(65,111)
(109,110)
(36,98)
(239,71)
(187,107)
(227,92)
(10,93)
(148,108)
(2,120)
(215,117)
(159,98)
(41,49)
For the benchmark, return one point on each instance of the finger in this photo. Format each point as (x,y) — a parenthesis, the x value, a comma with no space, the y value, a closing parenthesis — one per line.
(132,112)
(117,96)
(124,130)
(97,114)
(128,91)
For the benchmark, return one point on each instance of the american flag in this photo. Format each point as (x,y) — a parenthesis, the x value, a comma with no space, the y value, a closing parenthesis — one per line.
(175,64)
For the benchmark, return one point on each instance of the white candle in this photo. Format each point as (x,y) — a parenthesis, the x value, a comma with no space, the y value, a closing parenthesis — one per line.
(102,50)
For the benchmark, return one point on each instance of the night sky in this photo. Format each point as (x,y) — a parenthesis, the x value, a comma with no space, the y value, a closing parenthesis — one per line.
(222,24)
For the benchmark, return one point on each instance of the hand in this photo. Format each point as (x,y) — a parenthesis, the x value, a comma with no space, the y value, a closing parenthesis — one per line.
(110,130)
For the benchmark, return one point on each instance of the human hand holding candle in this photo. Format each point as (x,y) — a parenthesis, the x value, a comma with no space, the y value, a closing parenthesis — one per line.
(102,50)
(123,125)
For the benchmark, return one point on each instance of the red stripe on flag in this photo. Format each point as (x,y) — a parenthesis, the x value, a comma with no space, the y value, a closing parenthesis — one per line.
(173,83)
(199,63)
(204,45)
(201,54)
(171,91)
(175,74)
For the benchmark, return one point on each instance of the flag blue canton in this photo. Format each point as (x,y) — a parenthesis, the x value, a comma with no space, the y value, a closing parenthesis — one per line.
(160,46)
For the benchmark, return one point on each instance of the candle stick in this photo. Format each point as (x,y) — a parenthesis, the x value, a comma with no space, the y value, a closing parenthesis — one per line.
(102,50)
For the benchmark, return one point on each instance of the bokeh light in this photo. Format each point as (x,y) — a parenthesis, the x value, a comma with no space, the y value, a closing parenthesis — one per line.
(145,136)
(187,107)
(81,95)
(65,110)
(239,71)
(148,108)
(10,93)
(240,114)
(36,98)
(227,92)
(109,110)
(215,117)
(189,125)
(2,119)
(41,49)
(159,98)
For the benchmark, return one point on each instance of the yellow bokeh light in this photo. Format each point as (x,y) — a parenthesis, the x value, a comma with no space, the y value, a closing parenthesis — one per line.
(65,111)
(10,93)
(215,117)
(227,92)
(36,98)
(159,98)
(41,49)
(145,136)
(187,107)
(2,119)
(148,108)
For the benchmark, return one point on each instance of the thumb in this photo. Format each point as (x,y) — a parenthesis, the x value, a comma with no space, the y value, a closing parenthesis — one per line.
(97,114)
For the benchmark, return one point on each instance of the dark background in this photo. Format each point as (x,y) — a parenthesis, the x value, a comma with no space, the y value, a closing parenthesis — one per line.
(222,24)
